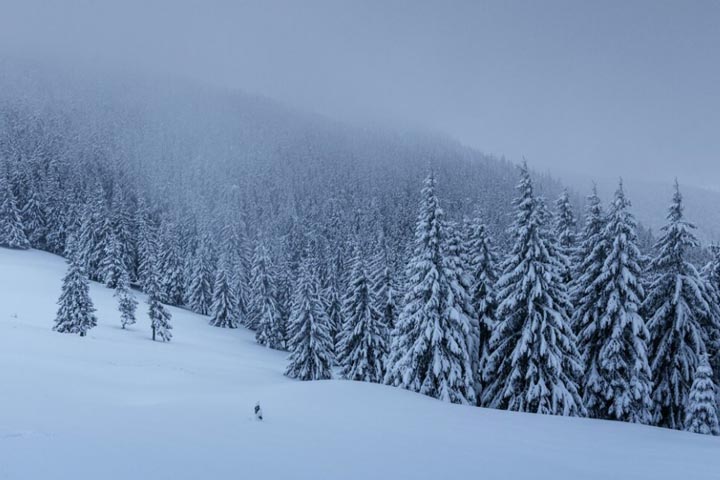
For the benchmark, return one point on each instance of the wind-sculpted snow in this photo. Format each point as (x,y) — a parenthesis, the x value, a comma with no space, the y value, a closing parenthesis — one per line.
(115,405)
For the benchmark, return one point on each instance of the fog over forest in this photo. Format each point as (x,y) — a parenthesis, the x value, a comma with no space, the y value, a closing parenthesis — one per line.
(359,239)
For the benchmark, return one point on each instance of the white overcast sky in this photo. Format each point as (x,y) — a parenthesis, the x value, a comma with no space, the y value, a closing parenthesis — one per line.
(608,87)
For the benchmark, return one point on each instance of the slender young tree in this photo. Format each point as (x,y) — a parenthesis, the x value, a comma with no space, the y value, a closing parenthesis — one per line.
(432,349)
(309,330)
(589,262)
(362,347)
(566,234)
(263,305)
(385,291)
(159,316)
(126,300)
(701,413)
(76,313)
(224,305)
(482,266)
(199,291)
(111,265)
(534,365)
(34,217)
(682,318)
(611,333)
(12,231)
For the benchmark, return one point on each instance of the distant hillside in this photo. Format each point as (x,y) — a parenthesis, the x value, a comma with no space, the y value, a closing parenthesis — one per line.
(650,202)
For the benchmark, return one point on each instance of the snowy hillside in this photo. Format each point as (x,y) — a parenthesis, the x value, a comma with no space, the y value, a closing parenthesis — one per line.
(115,405)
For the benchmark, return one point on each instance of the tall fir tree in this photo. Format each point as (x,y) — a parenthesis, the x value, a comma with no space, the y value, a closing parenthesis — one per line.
(34,217)
(534,365)
(199,290)
(12,230)
(589,261)
(612,334)
(565,234)
(384,288)
(159,316)
(362,348)
(112,265)
(263,305)
(309,339)
(701,413)
(682,318)
(223,310)
(127,305)
(482,263)
(76,313)
(432,349)
(171,264)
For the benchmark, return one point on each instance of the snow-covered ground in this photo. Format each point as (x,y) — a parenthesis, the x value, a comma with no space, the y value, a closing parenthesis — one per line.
(115,405)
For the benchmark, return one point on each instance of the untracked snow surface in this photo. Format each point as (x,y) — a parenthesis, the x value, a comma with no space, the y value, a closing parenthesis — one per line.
(115,405)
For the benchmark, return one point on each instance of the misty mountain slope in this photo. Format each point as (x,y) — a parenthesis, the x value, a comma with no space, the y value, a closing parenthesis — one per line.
(116,405)
(184,143)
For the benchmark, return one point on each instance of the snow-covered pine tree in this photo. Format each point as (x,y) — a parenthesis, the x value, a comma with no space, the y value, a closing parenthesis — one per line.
(34,217)
(333,308)
(199,291)
(263,305)
(362,347)
(171,265)
(701,411)
(12,230)
(122,222)
(711,275)
(612,335)
(223,310)
(588,263)
(455,265)
(144,232)
(534,365)
(159,316)
(431,352)
(383,286)
(111,265)
(236,245)
(309,339)
(565,234)
(482,263)
(682,318)
(76,313)
(126,300)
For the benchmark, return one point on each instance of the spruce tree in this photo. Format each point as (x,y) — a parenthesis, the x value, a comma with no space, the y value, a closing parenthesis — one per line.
(362,347)
(482,263)
(612,335)
(534,365)
(171,265)
(223,309)
(112,266)
(432,349)
(34,217)
(682,318)
(309,339)
(159,316)
(565,234)
(263,305)
(333,308)
(76,313)
(589,261)
(12,231)
(126,300)
(701,412)
(383,286)
(199,291)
